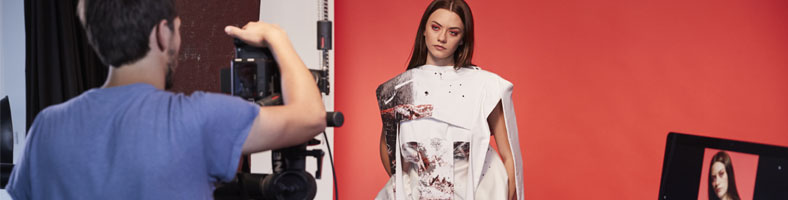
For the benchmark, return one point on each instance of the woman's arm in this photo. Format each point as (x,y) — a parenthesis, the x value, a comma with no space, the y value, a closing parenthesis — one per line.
(498,129)
(384,153)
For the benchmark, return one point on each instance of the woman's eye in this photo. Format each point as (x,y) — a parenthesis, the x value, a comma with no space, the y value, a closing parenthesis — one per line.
(454,33)
(435,28)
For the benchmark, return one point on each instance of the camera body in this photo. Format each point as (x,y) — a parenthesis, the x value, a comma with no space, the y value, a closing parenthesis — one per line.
(254,76)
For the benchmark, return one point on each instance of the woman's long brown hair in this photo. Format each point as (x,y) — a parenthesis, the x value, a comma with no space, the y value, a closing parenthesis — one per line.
(725,159)
(464,52)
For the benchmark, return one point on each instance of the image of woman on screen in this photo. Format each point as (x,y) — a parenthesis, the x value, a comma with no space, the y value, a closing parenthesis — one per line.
(722,183)
(438,116)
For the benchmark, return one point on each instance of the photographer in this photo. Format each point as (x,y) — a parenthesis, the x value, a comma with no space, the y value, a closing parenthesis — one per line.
(131,139)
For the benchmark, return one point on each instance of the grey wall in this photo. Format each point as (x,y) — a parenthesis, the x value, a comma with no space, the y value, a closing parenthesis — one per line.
(12,68)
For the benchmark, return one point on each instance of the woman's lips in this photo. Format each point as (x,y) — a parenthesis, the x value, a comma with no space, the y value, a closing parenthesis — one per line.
(439,47)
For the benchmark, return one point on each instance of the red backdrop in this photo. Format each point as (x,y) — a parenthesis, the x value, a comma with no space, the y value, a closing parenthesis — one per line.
(598,84)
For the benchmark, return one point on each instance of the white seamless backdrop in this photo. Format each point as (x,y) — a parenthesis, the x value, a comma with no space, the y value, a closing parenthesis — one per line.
(299,19)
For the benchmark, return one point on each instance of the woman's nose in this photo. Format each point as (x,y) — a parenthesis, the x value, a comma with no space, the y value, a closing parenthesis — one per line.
(442,37)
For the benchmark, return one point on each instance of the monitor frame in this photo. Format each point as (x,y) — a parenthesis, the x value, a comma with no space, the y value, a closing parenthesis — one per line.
(683,161)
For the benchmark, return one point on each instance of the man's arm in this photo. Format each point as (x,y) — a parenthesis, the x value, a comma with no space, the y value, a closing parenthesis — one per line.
(302,116)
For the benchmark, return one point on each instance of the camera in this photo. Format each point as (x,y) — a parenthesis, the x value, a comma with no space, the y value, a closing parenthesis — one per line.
(254,76)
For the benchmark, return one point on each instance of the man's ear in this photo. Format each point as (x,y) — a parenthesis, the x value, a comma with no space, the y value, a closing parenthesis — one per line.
(163,35)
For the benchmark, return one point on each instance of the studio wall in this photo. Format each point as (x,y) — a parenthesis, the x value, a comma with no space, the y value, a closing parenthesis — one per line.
(598,84)
(12,69)
(205,48)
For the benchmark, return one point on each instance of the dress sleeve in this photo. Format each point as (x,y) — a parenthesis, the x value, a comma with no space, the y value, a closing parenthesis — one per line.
(394,96)
(500,89)
(495,91)
(389,124)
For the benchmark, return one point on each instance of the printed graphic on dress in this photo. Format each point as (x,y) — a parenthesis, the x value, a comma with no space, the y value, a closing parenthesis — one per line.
(430,167)
(395,100)
(462,150)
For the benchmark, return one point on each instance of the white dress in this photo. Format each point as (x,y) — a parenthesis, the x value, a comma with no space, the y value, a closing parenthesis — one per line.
(438,139)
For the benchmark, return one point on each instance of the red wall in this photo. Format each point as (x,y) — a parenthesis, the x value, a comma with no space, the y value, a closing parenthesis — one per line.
(598,84)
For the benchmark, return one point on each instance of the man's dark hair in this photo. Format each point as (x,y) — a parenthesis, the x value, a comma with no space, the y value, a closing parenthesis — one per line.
(118,30)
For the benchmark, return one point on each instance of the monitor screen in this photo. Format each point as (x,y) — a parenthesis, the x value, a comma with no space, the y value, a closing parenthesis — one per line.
(727,174)
(697,167)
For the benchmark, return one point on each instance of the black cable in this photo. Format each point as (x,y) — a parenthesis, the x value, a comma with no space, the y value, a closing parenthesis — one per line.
(333,171)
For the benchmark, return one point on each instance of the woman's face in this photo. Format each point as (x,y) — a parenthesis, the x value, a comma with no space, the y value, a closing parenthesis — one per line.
(442,34)
(719,179)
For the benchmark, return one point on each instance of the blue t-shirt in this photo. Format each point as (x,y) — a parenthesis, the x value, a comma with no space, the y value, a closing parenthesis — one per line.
(133,142)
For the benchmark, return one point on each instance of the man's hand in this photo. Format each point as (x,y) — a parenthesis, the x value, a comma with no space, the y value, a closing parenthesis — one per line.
(257,33)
